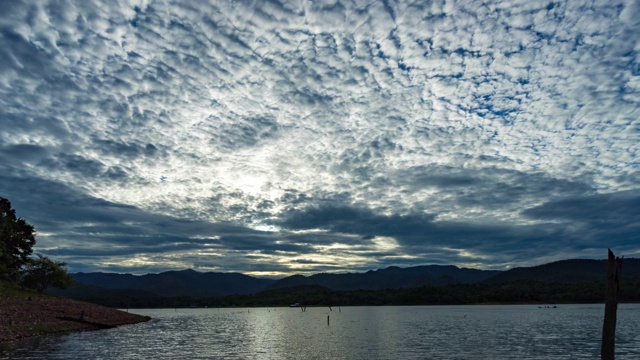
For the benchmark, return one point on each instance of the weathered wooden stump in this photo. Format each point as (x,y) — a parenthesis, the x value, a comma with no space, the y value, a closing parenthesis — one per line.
(607,351)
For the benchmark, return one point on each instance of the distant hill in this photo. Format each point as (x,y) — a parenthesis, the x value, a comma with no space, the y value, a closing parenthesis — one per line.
(392,277)
(116,298)
(568,272)
(178,283)
(579,281)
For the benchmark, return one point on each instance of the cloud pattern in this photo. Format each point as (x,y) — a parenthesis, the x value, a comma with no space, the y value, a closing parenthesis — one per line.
(277,136)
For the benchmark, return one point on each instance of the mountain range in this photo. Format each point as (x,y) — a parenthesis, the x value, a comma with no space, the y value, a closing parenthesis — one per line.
(190,283)
(178,283)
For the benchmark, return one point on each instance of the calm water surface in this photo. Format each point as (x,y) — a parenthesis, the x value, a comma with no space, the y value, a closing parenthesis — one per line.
(402,332)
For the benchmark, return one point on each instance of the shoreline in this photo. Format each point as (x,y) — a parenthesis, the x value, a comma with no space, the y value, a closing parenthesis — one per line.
(26,316)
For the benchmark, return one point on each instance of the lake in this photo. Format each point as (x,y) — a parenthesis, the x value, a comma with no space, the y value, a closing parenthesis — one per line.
(389,332)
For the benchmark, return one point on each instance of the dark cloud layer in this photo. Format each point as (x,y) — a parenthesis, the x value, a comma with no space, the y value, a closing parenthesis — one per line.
(282,136)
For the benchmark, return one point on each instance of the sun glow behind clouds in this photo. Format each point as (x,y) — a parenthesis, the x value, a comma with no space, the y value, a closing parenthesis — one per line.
(143,261)
(266,227)
(383,243)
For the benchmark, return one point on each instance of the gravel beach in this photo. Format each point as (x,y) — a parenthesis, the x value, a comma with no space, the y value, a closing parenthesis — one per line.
(26,316)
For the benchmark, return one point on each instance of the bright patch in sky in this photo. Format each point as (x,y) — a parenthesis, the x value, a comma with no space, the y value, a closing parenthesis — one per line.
(273,137)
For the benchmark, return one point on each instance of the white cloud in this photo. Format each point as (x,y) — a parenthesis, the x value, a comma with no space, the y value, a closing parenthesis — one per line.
(248,102)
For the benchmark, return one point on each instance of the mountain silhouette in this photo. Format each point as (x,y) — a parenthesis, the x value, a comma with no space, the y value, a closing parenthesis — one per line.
(390,278)
(568,272)
(194,284)
(178,283)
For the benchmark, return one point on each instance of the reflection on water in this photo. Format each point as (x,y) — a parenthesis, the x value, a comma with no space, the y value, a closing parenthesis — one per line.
(403,332)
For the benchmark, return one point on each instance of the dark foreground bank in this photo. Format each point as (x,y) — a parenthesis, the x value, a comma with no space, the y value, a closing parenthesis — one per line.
(27,315)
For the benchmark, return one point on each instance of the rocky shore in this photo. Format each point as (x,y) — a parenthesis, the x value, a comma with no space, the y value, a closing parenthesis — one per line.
(32,315)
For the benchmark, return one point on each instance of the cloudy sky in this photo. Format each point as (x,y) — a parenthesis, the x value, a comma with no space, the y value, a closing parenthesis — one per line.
(277,137)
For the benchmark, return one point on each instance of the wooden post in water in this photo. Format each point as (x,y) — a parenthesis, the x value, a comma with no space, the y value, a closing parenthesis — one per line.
(607,351)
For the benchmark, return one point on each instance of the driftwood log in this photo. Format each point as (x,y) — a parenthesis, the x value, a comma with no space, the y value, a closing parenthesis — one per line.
(87,322)
(607,351)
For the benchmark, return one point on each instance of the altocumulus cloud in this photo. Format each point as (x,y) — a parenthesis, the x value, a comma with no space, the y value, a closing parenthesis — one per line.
(274,137)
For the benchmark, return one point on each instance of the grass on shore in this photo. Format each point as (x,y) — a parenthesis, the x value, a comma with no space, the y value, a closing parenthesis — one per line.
(9,289)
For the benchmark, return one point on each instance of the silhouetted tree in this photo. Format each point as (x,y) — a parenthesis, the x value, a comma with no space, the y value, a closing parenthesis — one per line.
(3,267)
(41,272)
(16,241)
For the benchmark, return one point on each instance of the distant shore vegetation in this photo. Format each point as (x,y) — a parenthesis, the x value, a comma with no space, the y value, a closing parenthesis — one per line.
(520,292)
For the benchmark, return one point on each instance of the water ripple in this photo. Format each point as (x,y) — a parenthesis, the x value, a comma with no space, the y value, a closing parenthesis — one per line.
(413,332)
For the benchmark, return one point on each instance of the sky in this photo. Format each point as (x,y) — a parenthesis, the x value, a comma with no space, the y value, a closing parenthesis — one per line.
(279,137)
